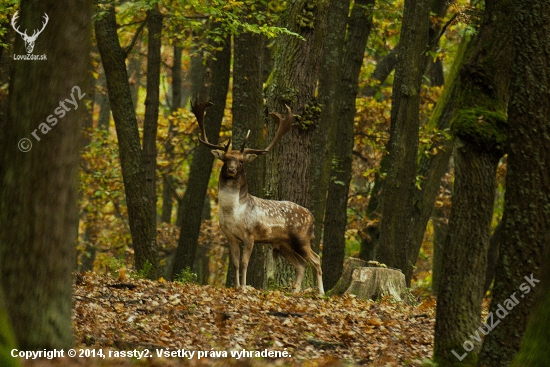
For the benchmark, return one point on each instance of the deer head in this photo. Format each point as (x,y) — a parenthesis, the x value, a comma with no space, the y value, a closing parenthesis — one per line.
(234,159)
(29,40)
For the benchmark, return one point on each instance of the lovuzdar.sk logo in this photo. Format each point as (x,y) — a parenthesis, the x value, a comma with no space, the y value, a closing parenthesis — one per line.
(29,40)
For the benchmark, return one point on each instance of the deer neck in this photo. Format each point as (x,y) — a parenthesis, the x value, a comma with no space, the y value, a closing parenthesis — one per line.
(233,186)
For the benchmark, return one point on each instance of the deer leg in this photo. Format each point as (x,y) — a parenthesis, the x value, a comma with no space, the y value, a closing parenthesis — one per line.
(235,253)
(248,245)
(298,262)
(315,260)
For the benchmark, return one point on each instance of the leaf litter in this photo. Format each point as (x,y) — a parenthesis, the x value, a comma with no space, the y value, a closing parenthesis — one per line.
(231,327)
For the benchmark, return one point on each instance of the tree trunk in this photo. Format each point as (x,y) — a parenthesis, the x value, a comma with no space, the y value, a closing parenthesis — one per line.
(177,101)
(39,187)
(324,135)
(142,223)
(150,121)
(399,184)
(465,257)
(527,198)
(293,82)
(248,114)
(201,167)
(481,96)
(334,246)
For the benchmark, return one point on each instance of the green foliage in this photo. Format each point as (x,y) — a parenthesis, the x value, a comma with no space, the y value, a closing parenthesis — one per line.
(145,272)
(7,9)
(186,276)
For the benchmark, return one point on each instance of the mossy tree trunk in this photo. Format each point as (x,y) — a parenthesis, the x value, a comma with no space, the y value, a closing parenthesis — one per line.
(142,223)
(293,82)
(478,120)
(527,199)
(39,187)
(191,206)
(334,244)
(399,184)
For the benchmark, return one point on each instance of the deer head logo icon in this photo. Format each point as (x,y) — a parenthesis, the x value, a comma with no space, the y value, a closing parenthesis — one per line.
(29,40)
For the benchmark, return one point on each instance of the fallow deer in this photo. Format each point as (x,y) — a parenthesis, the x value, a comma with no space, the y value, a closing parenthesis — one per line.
(287,226)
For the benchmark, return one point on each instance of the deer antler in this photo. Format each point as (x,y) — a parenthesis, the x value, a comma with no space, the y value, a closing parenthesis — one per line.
(284,126)
(199,109)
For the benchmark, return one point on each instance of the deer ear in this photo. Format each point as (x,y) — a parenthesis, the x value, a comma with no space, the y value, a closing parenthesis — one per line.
(249,157)
(220,154)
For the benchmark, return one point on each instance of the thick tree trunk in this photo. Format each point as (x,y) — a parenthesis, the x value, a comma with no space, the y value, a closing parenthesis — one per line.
(248,114)
(465,256)
(150,121)
(293,82)
(527,199)
(201,167)
(334,246)
(142,223)
(481,96)
(399,184)
(39,187)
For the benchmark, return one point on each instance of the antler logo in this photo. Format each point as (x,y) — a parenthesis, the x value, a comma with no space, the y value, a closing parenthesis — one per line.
(29,40)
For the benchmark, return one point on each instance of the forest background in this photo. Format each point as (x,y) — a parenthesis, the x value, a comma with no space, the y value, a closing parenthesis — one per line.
(414,179)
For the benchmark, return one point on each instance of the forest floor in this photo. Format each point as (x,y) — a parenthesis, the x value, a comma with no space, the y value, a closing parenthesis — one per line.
(223,327)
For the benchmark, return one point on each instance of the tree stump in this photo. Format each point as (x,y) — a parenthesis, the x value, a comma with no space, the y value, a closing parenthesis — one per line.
(369,280)
(343,283)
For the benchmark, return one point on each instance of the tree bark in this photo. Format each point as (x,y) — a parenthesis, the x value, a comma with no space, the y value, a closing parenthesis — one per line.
(527,198)
(399,184)
(478,121)
(322,144)
(248,114)
(201,167)
(150,121)
(293,82)
(177,101)
(39,188)
(142,223)
(334,246)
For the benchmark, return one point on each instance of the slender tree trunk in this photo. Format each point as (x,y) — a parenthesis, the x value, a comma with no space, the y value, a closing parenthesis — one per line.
(39,186)
(167,179)
(150,122)
(142,222)
(527,198)
(399,184)
(324,135)
(334,247)
(193,200)
(248,114)
(293,82)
